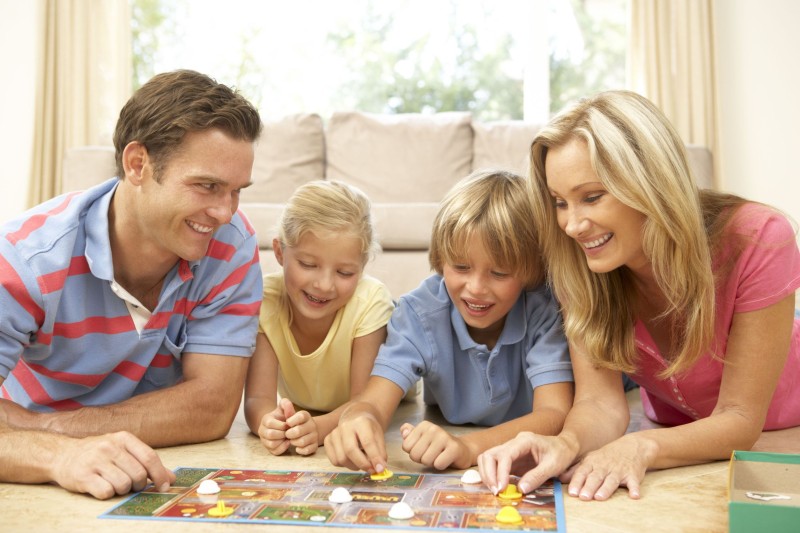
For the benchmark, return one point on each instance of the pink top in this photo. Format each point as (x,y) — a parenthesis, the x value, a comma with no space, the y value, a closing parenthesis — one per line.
(766,271)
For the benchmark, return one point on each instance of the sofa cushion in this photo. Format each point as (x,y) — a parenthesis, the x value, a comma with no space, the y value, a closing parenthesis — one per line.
(399,158)
(290,152)
(504,145)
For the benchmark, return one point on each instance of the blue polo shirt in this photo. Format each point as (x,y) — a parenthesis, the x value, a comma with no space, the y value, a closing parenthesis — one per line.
(427,338)
(68,341)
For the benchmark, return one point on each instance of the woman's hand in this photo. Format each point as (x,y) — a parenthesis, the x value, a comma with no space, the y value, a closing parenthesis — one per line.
(536,458)
(621,462)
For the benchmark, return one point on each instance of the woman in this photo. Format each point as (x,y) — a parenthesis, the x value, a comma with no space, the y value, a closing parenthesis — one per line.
(689,292)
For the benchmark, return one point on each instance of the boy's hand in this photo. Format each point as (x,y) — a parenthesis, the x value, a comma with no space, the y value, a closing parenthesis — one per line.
(430,445)
(302,432)
(272,430)
(357,443)
(107,465)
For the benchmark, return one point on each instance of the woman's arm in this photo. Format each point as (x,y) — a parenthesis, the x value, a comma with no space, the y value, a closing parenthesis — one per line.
(599,415)
(758,345)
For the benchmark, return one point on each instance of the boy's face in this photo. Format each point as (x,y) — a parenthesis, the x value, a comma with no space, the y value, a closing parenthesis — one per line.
(482,291)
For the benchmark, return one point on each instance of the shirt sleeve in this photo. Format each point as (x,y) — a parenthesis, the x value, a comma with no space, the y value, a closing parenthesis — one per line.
(22,310)
(401,358)
(768,268)
(548,356)
(225,322)
(377,308)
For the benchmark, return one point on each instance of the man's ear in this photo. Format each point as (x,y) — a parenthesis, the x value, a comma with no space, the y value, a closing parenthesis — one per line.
(277,249)
(134,158)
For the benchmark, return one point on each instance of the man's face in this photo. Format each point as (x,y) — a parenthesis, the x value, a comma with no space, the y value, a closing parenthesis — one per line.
(197,192)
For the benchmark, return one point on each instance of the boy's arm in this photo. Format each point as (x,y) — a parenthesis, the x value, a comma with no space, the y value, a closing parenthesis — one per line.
(432,445)
(358,440)
(551,403)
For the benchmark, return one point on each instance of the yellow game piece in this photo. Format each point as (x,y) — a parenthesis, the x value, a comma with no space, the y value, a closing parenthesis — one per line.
(508,515)
(381,476)
(220,511)
(510,493)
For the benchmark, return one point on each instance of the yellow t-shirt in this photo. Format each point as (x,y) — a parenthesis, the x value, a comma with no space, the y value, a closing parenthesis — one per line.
(320,381)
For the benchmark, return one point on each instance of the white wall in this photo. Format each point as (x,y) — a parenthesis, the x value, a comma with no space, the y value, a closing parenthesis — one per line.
(758,90)
(17,92)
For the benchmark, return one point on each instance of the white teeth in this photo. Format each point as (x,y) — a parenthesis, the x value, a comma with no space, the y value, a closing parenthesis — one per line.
(199,227)
(475,307)
(316,300)
(598,242)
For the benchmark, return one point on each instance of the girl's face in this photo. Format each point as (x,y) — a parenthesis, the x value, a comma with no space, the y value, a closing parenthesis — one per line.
(320,273)
(482,291)
(608,231)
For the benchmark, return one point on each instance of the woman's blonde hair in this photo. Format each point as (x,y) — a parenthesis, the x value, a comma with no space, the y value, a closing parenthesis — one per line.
(494,205)
(640,159)
(328,206)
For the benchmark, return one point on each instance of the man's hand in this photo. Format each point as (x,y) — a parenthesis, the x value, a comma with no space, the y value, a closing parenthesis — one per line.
(107,465)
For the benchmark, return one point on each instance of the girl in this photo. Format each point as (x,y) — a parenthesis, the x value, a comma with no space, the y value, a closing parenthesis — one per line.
(691,292)
(321,320)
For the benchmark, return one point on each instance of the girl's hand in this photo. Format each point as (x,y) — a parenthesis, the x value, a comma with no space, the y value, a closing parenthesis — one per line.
(430,445)
(272,430)
(621,462)
(536,458)
(302,432)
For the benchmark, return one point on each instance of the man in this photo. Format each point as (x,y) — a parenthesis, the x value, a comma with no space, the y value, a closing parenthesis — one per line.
(128,312)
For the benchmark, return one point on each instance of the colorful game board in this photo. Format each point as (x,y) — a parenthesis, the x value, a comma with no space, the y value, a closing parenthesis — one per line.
(440,501)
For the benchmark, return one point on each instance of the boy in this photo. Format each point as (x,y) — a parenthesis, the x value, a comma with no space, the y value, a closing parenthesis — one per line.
(483,332)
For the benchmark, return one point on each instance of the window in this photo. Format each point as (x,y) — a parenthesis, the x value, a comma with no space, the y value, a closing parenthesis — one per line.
(499,59)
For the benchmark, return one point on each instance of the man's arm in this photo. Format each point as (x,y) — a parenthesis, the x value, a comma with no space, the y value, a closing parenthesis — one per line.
(198,409)
(101,466)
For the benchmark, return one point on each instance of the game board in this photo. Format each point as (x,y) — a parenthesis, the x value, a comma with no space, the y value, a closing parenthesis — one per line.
(440,501)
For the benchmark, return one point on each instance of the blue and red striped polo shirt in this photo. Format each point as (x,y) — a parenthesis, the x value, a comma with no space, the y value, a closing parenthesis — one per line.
(67,341)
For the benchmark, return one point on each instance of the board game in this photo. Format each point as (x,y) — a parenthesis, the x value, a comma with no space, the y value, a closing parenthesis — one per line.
(439,501)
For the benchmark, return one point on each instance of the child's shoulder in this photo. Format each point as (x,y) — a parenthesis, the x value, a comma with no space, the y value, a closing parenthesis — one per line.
(430,295)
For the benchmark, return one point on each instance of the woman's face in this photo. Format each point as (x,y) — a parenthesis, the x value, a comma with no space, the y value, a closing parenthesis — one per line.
(608,231)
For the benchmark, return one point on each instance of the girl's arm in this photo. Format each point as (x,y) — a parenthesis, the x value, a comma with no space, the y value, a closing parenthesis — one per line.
(758,345)
(365,350)
(261,387)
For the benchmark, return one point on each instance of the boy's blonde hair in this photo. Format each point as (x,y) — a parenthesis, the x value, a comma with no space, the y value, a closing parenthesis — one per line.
(328,206)
(640,159)
(493,205)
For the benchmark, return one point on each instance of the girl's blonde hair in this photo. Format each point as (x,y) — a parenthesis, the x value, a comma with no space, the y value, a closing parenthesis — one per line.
(494,205)
(328,206)
(640,159)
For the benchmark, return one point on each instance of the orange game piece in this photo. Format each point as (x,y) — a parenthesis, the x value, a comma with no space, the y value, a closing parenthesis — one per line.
(510,493)
(509,515)
(220,511)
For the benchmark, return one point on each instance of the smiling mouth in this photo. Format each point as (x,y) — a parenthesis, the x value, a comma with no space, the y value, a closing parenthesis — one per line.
(476,307)
(199,228)
(316,300)
(597,242)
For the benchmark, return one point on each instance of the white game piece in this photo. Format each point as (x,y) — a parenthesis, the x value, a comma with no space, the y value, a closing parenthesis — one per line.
(401,511)
(471,477)
(340,495)
(208,486)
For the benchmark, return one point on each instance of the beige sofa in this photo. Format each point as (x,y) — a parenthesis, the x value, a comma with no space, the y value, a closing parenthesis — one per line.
(404,163)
